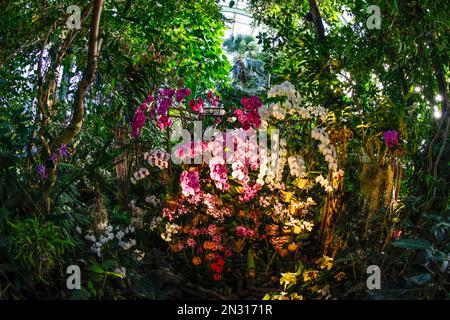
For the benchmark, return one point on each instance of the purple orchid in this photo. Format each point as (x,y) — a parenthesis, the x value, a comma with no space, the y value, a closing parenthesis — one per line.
(390,138)
(63,152)
(42,171)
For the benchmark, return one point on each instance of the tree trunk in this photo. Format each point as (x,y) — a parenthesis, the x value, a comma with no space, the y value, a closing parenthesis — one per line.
(69,133)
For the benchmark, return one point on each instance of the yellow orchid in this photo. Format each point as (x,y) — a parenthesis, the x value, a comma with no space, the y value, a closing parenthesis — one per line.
(310,275)
(297,229)
(339,276)
(287,196)
(282,296)
(326,263)
(295,296)
(288,278)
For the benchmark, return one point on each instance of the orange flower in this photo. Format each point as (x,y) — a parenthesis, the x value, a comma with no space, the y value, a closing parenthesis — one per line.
(279,242)
(176,247)
(186,230)
(209,245)
(195,221)
(210,256)
(172,204)
(293,247)
(283,252)
(272,230)
(196,261)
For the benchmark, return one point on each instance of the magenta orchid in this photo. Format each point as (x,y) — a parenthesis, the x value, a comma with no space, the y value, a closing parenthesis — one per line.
(249,117)
(190,184)
(390,138)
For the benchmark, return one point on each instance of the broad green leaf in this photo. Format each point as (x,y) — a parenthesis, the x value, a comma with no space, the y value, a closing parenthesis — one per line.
(81,294)
(420,279)
(4,213)
(414,244)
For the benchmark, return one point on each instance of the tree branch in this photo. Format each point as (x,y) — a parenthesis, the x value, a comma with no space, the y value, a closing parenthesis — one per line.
(88,77)
(442,86)
(317,20)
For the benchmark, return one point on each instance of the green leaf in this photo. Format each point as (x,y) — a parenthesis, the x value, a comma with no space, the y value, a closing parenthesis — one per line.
(395,5)
(4,213)
(97,269)
(4,241)
(108,264)
(115,274)
(414,244)
(81,294)
(420,279)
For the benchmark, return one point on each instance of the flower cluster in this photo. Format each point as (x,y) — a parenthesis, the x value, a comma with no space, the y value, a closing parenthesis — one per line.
(210,106)
(158,109)
(271,172)
(160,112)
(218,173)
(297,166)
(190,224)
(153,200)
(139,255)
(196,105)
(140,117)
(277,111)
(182,93)
(309,275)
(42,171)
(110,234)
(325,147)
(214,105)
(292,104)
(265,201)
(190,184)
(390,138)
(158,158)
(171,229)
(249,117)
(298,226)
(324,183)
(286,89)
(250,192)
(275,205)
(142,173)
(155,223)
(62,153)
(137,219)
(248,233)
(310,112)
(278,244)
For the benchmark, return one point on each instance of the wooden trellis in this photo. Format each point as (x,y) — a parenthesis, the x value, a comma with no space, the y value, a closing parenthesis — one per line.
(128,162)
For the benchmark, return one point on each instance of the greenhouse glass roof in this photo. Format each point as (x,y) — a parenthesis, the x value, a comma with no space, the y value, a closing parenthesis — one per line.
(241,20)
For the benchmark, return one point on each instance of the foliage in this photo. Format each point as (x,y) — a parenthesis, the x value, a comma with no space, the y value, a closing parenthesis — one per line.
(247,73)
(38,245)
